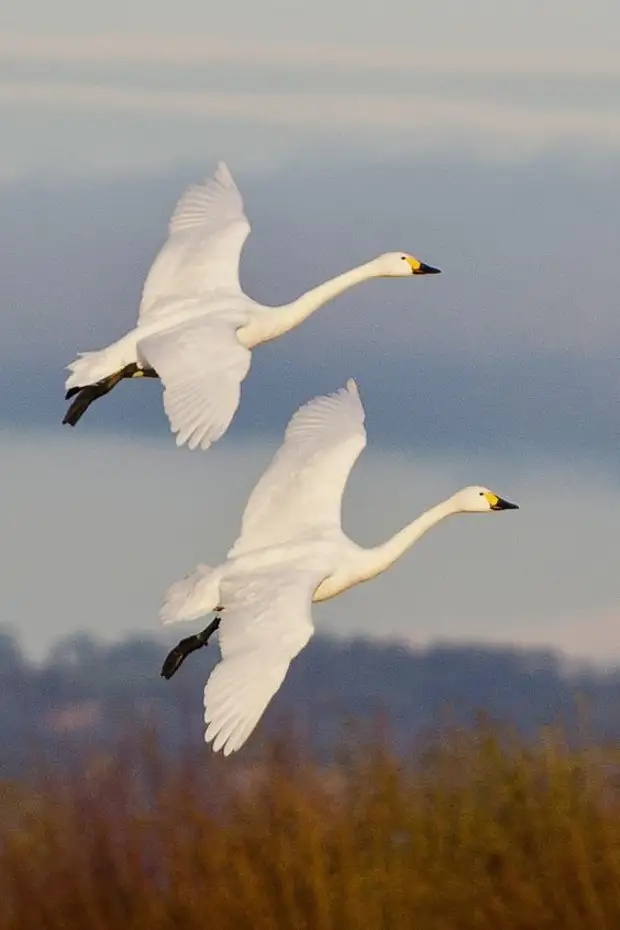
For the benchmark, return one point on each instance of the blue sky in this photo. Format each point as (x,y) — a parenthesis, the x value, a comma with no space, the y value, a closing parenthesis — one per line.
(484,142)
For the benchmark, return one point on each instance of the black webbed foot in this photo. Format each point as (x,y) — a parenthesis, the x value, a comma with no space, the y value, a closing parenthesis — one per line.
(177,656)
(86,395)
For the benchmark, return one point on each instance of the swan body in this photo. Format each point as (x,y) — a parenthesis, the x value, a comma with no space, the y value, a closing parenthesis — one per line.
(290,552)
(196,327)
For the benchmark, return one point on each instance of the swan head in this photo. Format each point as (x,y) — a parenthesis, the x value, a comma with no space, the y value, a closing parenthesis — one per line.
(401,265)
(477,499)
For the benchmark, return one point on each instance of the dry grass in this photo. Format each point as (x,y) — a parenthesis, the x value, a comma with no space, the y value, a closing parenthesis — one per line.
(481,832)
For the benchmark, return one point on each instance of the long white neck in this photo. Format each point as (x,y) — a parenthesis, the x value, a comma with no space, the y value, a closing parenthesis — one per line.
(274,321)
(381,557)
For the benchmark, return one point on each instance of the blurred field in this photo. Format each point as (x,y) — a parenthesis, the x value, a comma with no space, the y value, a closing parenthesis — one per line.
(480,830)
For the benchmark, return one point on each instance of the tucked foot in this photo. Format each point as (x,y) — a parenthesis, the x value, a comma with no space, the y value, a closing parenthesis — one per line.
(85,396)
(177,656)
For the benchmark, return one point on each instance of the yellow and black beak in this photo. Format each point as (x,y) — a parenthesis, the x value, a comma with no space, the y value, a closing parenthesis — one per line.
(418,267)
(498,503)
(426,269)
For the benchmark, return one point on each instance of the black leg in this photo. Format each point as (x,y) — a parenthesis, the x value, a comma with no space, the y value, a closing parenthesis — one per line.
(177,656)
(86,395)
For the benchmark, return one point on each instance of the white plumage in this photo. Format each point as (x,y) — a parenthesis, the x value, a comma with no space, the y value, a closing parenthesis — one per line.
(302,489)
(206,234)
(291,551)
(201,364)
(196,327)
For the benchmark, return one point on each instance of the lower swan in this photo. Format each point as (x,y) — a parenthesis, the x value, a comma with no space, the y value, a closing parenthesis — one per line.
(291,551)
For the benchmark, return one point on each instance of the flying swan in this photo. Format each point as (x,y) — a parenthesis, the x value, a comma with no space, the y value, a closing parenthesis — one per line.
(196,327)
(291,551)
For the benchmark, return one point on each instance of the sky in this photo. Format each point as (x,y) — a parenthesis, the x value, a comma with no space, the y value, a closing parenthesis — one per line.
(483,140)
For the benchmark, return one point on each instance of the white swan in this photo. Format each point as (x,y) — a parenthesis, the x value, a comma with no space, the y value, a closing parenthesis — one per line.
(291,551)
(196,327)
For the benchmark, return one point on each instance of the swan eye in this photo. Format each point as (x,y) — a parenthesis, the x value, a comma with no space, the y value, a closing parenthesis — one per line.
(481,493)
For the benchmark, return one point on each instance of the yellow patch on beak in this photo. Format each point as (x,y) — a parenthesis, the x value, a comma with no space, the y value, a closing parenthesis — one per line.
(413,262)
(138,374)
(493,499)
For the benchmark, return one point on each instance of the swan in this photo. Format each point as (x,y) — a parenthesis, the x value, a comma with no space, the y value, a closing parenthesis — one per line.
(291,551)
(196,327)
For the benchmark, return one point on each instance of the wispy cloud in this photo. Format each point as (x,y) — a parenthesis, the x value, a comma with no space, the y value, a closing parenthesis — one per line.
(156,49)
(505,99)
(426,117)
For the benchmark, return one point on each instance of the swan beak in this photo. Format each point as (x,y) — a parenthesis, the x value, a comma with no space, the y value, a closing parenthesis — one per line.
(426,269)
(498,503)
(418,267)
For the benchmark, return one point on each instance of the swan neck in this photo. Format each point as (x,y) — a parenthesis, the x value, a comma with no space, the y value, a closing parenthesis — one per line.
(297,311)
(388,553)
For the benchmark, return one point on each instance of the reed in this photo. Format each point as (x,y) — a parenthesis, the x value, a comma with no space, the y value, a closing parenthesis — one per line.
(478,830)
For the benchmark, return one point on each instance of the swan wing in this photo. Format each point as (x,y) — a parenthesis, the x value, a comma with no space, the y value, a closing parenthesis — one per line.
(206,234)
(267,622)
(201,364)
(301,490)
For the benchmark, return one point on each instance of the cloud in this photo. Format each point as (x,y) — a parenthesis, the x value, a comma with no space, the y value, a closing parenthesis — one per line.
(143,48)
(421,119)
(135,91)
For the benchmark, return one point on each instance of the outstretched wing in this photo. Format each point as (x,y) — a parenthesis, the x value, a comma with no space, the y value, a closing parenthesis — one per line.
(267,622)
(201,364)
(302,488)
(206,235)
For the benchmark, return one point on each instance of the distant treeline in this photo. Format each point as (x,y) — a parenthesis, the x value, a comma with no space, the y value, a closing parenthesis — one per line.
(87,693)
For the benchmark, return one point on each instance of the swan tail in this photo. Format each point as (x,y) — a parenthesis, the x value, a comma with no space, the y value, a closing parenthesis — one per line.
(90,368)
(193,596)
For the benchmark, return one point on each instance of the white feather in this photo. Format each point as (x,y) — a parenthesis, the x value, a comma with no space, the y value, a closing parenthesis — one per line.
(207,232)
(292,551)
(192,596)
(201,364)
(267,623)
(301,490)
(191,288)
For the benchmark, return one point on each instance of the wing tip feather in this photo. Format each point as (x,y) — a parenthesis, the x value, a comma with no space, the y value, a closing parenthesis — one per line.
(223,172)
(199,199)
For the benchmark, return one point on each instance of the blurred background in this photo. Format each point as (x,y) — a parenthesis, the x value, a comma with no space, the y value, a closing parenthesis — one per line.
(483,139)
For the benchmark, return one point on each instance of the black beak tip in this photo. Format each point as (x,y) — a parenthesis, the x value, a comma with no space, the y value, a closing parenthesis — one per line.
(505,505)
(427,269)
